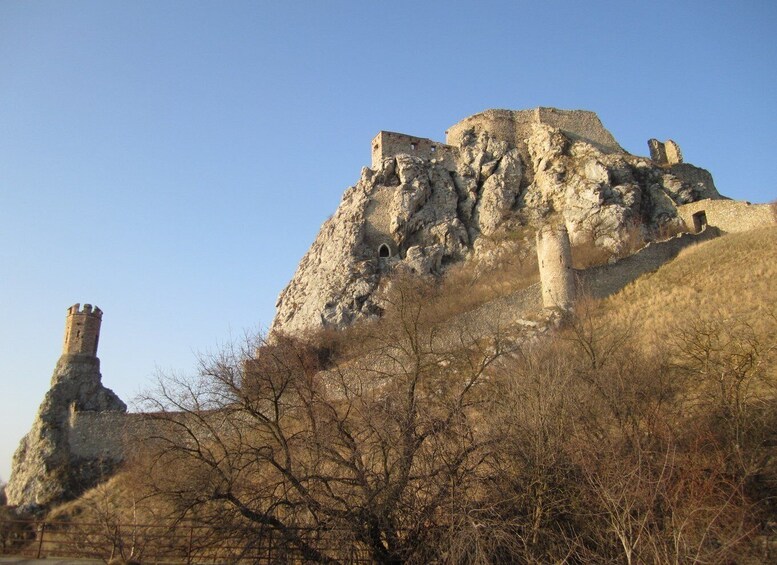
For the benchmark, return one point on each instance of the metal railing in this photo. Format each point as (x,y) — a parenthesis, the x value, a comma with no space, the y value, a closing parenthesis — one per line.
(178,543)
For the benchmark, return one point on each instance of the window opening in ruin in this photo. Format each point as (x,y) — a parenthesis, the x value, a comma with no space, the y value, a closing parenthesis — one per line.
(412,146)
(699,221)
(434,148)
(383,250)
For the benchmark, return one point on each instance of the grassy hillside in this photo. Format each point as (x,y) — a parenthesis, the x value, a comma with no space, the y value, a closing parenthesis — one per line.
(642,431)
(732,276)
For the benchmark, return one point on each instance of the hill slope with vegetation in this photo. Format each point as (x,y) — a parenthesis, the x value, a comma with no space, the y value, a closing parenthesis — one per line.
(642,430)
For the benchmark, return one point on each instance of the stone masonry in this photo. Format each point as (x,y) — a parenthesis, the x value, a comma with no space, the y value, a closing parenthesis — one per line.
(727,215)
(554,255)
(515,126)
(666,153)
(388,144)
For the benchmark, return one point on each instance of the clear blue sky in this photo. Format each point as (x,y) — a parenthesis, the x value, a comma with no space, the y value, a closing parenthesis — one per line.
(172,161)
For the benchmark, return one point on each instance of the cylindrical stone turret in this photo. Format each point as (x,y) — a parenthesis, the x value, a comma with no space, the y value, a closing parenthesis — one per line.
(554,254)
(82,330)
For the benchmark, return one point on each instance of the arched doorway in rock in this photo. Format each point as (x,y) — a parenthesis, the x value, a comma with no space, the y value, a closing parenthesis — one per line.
(384,251)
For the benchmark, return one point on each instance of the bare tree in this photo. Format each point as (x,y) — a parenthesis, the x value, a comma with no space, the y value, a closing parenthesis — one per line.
(730,369)
(379,451)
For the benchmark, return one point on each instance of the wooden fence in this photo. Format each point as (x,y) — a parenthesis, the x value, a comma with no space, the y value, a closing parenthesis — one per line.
(179,543)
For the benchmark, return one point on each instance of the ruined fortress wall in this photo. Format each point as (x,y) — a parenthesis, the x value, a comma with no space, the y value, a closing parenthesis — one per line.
(110,435)
(97,435)
(514,126)
(377,226)
(389,144)
(554,254)
(665,153)
(581,124)
(729,215)
(604,280)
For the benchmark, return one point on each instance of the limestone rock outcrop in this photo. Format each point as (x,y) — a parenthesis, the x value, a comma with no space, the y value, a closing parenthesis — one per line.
(51,465)
(423,207)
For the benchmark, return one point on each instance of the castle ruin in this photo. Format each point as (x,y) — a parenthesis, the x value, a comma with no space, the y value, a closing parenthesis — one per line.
(511,126)
(666,153)
(78,437)
(388,144)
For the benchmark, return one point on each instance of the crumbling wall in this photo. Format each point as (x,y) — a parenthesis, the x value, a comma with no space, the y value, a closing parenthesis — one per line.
(515,126)
(377,225)
(604,280)
(389,144)
(728,215)
(666,153)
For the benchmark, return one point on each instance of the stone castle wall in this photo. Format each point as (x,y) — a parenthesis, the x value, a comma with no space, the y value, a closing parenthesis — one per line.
(377,225)
(727,215)
(603,280)
(514,126)
(389,144)
(97,435)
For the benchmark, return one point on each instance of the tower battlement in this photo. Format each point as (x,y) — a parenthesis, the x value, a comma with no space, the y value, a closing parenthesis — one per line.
(82,330)
(87,309)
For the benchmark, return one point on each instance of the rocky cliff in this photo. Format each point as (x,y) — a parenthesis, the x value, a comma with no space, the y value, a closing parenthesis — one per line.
(46,470)
(503,171)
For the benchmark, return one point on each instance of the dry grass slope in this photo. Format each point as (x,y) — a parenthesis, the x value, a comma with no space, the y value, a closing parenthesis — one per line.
(732,276)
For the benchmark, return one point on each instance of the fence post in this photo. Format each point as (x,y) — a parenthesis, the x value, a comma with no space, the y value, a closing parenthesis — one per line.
(40,541)
(189,546)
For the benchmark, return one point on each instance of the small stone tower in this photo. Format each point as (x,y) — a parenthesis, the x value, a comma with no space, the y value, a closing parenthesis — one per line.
(554,254)
(666,153)
(82,330)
